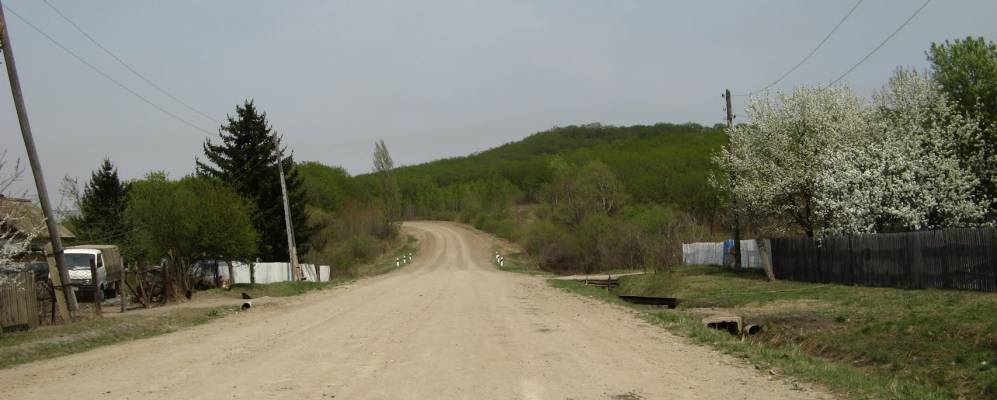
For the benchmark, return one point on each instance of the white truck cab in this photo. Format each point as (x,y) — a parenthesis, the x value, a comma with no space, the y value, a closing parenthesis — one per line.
(106,259)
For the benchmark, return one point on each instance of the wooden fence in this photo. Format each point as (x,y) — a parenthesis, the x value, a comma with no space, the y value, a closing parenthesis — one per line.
(946,259)
(18,302)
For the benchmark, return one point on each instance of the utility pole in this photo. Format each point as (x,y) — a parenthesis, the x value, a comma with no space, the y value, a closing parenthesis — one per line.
(36,166)
(291,249)
(733,181)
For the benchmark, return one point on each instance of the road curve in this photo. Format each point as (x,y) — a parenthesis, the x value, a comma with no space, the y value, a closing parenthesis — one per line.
(448,326)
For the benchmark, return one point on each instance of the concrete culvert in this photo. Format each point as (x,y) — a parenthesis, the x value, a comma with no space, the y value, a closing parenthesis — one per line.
(752,329)
(247,305)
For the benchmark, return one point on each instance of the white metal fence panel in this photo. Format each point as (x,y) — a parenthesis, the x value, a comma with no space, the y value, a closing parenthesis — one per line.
(703,253)
(272,272)
(715,253)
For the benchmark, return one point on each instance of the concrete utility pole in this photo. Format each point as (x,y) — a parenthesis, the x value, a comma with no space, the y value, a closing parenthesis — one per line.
(291,248)
(36,166)
(733,179)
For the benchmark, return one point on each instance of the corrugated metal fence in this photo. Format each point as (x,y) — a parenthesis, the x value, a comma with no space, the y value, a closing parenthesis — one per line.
(719,253)
(945,259)
(273,272)
(18,303)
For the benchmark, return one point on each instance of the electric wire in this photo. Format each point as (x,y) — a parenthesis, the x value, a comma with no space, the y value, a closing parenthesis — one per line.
(126,65)
(881,44)
(808,56)
(104,74)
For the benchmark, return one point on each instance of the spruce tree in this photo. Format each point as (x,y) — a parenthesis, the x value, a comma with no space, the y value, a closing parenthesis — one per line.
(101,207)
(246,159)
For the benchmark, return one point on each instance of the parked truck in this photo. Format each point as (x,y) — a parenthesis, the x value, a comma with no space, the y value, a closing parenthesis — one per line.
(107,260)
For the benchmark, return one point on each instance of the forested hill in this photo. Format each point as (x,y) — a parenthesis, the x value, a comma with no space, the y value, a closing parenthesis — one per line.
(661,163)
(647,185)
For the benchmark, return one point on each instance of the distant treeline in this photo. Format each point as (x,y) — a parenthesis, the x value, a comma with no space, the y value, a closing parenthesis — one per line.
(661,163)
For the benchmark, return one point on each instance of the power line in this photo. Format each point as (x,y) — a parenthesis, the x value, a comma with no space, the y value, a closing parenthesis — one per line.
(126,65)
(105,75)
(807,57)
(881,44)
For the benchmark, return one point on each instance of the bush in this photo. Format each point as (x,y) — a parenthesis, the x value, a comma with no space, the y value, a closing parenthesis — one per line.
(555,248)
(364,247)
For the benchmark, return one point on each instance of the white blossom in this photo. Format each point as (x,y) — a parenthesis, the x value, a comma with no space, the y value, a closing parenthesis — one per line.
(822,159)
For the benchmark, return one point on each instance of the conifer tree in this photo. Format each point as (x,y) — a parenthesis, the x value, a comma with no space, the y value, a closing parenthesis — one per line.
(101,207)
(246,159)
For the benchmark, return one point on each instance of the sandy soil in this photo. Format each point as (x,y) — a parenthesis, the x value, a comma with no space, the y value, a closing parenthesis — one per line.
(447,326)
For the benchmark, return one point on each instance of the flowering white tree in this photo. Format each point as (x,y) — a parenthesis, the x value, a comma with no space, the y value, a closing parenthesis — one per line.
(907,174)
(13,242)
(826,161)
(777,163)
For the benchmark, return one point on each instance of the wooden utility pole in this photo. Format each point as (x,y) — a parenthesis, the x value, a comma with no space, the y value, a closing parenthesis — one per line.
(36,167)
(122,297)
(98,294)
(291,249)
(733,181)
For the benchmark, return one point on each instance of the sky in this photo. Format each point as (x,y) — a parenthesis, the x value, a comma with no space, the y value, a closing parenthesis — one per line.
(434,79)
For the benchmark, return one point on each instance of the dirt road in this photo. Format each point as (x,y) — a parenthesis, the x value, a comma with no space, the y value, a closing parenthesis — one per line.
(448,326)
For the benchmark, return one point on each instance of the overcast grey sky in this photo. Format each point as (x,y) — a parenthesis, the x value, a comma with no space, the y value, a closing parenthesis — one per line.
(432,78)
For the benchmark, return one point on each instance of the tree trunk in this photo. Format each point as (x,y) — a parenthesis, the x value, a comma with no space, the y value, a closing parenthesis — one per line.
(231,274)
(765,254)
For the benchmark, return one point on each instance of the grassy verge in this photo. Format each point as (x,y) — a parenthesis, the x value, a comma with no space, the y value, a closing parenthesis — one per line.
(280,289)
(518,262)
(59,340)
(386,263)
(860,342)
(383,264)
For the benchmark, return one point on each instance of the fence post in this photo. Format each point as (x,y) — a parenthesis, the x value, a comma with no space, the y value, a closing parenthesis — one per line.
(851,262)
(122,297)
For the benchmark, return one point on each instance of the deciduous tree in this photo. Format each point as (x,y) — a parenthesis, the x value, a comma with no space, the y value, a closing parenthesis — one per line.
(193,219)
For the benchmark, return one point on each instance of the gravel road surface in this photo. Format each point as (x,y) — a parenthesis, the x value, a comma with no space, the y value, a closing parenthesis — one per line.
(447,326)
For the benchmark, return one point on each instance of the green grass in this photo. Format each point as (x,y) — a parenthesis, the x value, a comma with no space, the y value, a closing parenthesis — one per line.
(386,263)
(520,263)
(861,342)
(279,289)
(58,340)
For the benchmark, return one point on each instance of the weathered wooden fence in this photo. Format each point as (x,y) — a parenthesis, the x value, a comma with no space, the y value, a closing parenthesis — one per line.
(18,302)
(950,259)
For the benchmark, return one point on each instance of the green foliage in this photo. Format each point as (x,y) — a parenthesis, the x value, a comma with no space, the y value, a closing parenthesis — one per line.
(101,208)
(279,289)
(661,163)
(589,172)
(246,159)
(966,70)
(326,187)
(575,192)
(187,220)
(349,237)
(938,342)
(384,169)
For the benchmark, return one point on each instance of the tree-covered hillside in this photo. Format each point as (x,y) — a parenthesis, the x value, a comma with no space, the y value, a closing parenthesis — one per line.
(661,163)
(597,196)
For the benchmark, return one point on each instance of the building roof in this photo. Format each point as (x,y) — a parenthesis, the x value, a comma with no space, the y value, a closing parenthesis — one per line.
(26,217)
